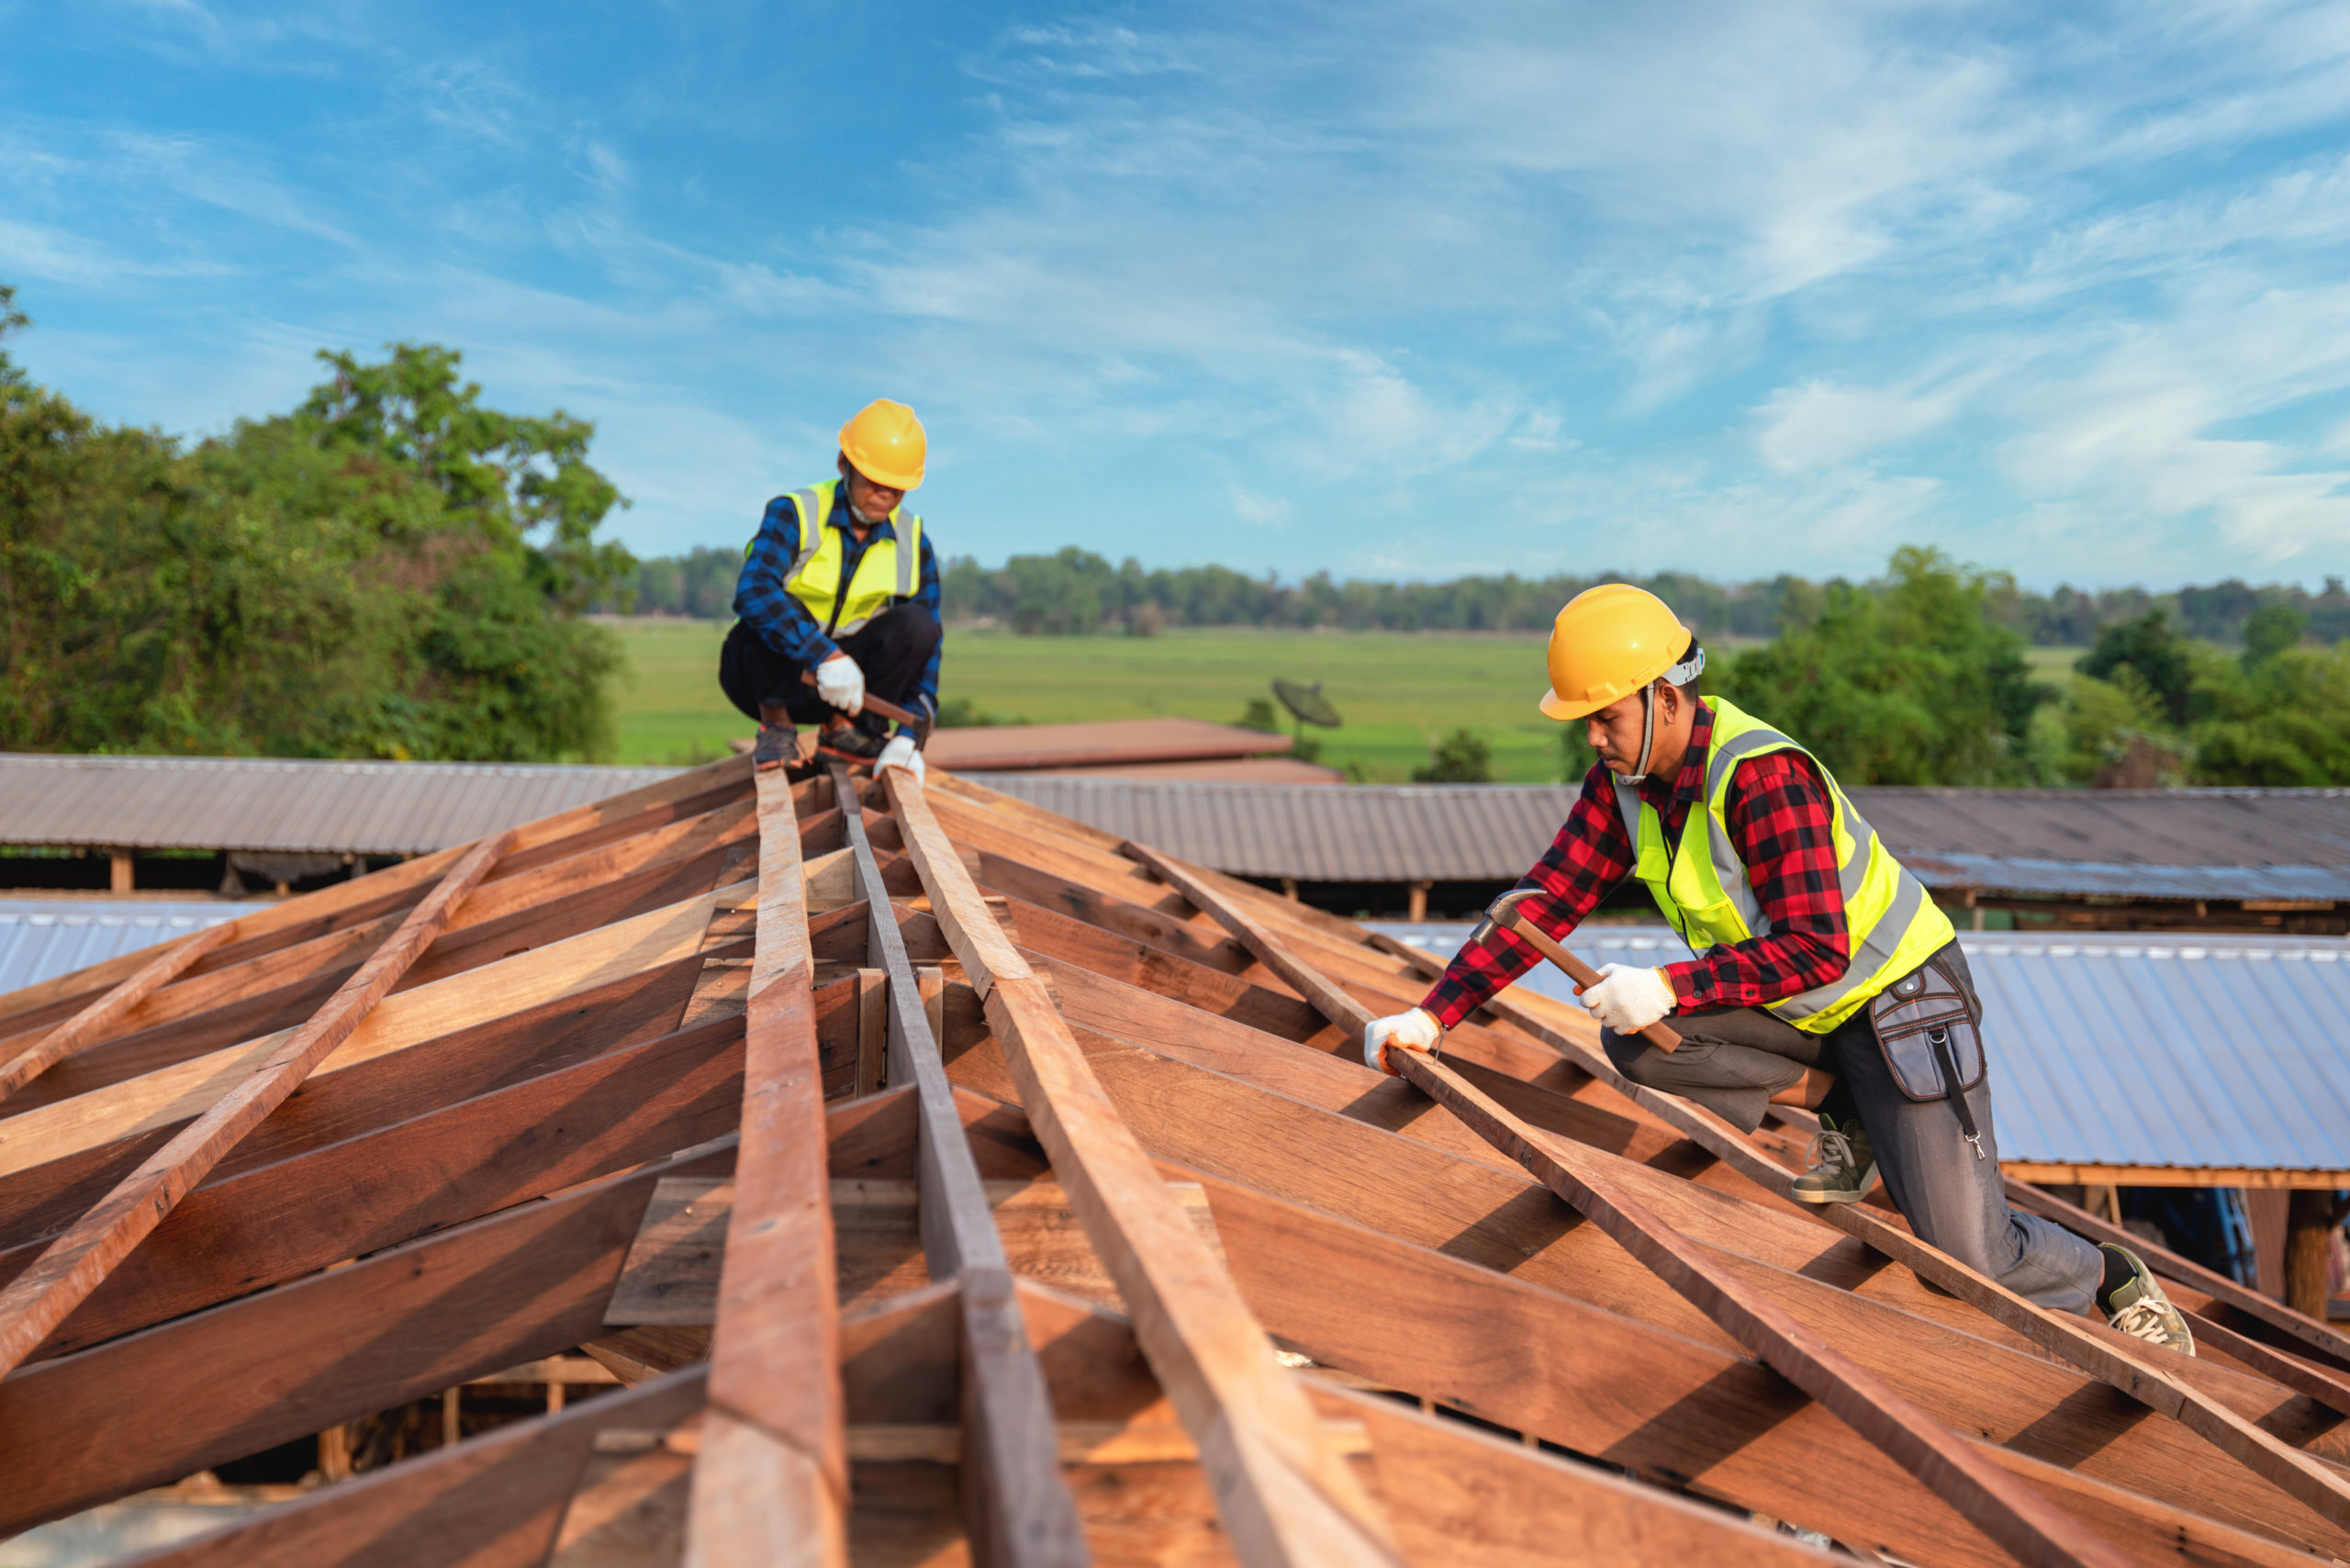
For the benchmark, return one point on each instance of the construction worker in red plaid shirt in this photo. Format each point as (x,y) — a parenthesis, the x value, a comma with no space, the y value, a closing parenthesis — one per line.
(1820,973)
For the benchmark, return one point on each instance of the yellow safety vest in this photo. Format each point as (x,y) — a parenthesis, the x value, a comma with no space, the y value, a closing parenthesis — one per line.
(888,571)
(1703,887)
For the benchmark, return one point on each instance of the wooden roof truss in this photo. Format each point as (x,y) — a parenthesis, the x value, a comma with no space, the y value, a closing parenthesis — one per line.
(948,1181)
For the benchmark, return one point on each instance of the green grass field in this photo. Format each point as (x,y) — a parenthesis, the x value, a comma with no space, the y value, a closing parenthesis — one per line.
(1396,690)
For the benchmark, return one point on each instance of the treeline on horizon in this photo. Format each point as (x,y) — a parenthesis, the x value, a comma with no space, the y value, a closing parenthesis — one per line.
(1075,592)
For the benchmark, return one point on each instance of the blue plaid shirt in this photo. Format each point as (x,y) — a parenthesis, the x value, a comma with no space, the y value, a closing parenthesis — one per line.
(784,624)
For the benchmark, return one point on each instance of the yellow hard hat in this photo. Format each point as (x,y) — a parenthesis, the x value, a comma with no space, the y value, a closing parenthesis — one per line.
(885,443)
(1608,642)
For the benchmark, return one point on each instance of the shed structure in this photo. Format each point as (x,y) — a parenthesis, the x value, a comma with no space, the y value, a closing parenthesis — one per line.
(947,1180)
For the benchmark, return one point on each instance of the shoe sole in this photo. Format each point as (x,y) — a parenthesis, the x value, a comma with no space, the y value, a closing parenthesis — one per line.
(1821,1200)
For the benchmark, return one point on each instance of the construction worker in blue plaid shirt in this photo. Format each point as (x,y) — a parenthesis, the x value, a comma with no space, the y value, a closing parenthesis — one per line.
(838,600)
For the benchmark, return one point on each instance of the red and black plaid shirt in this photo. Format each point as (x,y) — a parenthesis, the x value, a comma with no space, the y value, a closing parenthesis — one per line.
(1780,823)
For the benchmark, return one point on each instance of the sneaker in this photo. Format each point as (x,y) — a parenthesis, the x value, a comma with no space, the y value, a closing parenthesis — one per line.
(1839,1168)
(777,744)
(848,740)
(2139,1309)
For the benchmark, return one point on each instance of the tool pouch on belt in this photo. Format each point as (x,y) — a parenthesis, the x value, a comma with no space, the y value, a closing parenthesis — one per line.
(1931,1039)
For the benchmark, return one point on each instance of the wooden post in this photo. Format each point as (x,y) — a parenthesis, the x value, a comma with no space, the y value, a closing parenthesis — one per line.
(120,870)
(1419,909)
(2308,1233)
(334,1454)
(872,1030)
(1289,888)
(449,1430)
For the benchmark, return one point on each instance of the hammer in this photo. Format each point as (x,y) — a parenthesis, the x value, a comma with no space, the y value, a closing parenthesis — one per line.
(1502,915)
(887,708)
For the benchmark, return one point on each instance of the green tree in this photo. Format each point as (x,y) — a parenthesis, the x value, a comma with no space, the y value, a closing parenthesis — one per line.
(2149,646)
(390,570)
(1464,756)
(2269,631)
(1910,683)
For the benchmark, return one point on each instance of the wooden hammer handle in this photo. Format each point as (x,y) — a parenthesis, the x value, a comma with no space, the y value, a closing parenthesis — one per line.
(1661,1034)
(882,706)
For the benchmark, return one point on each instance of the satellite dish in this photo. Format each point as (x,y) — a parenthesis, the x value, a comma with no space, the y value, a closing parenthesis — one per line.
(1306,703)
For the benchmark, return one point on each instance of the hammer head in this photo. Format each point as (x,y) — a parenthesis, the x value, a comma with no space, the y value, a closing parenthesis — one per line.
(1501,913)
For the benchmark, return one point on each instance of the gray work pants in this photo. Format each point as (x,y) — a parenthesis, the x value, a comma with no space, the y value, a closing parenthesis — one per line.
(1732,1063)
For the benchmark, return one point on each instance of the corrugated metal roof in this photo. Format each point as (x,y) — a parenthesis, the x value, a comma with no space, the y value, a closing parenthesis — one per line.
(40,937)
(1373,832)
(364,808)
(2122,1048)
(2178,844)
(1102,743)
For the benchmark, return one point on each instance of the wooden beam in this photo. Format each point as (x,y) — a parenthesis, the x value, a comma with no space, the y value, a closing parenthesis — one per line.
(2041,1171)
(1284,1497)
(38,1299)
(280,1365)
(93,1021)
(772,1482)
(2004,1508)
(496,1499)
(246,1230)
(1490,1215)
(1017,1508)
(2130,1366)
(1708,1418)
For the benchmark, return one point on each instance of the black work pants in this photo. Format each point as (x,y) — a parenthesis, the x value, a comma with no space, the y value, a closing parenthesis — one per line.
(892,649)
(1732,1063)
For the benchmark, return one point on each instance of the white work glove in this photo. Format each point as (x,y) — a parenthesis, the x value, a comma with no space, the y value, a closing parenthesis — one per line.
(899,752)
(1417,1029)
(1629,1000)
(842,683)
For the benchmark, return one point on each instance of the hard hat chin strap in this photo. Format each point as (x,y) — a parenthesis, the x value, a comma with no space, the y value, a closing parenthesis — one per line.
(1640,773)
(1678,674)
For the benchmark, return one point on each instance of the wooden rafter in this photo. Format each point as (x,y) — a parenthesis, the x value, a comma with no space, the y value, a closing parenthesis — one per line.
(1284,1497)
(2008,1511)
(1021,1511)
(2110,1358)
(92,1021)
(38,1299)
(771,1484)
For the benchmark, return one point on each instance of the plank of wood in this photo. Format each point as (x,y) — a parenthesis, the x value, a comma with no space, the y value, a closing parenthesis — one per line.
(1208,1124)
(492,1501)
(1461,1496)
(405,1019)
(246,1230)
(772,1482)
(1018,1509)
(93,1021)
(1284,1497)
(1713,1420)
(38,1299)
(971,929)
(2008,1512)
(672,1272)
(2112,1361)
(332,1347)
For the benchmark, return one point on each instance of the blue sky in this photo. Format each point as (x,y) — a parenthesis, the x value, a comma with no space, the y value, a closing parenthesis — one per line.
(1388,291)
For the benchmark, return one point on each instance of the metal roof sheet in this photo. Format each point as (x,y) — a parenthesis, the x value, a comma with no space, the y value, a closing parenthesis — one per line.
(2178,844)
(40,937)
(364,808)
(2123,1048)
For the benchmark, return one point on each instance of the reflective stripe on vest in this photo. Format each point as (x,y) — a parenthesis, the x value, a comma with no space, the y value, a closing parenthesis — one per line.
(886,573)
(1703,887)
